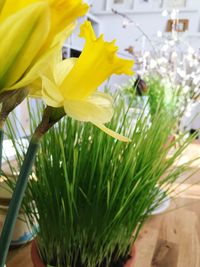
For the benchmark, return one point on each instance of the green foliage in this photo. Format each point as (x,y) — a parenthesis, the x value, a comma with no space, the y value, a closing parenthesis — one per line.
(161,96)
(93,193)
(157,96)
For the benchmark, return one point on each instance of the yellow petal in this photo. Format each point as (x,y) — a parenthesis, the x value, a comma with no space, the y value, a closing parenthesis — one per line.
(35,89)
(2,2)
(63,35)
(111,133)
(98,107)
(11,7)
(51,94)
(62,68)
(97,63)
(53,75)
(38,67)
(19,46)
(64,12)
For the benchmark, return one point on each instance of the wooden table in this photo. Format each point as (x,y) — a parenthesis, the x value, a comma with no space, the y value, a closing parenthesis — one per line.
(168,240)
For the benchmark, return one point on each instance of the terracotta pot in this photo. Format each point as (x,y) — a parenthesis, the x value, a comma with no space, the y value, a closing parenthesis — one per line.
(131,261)
(38,263)
(35,256)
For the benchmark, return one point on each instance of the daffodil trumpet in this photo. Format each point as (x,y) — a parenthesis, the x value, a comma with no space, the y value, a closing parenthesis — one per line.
(50,117)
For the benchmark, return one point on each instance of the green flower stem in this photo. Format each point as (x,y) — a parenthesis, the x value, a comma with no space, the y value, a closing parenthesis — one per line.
(16,200)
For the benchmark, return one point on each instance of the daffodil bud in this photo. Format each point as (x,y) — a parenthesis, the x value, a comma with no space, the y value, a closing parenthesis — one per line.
(140,86)
(22,35)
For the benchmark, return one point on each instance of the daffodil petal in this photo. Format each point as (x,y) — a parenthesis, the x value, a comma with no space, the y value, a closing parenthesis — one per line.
(35,89)
(87,32)
(11,7)
(51,94)
(65,12)
(2,3)
(63,35)
(55,72)
(62,68)
(59,72)
(98,107)
(43,63)
(111,132)
(19,46)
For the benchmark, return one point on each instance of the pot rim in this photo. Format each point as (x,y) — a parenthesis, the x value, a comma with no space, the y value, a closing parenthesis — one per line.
(35,255)
(38,262)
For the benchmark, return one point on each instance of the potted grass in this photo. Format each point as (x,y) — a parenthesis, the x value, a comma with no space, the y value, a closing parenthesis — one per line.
(90,194)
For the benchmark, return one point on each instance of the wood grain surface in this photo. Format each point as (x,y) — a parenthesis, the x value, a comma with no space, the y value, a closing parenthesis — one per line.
(171,239)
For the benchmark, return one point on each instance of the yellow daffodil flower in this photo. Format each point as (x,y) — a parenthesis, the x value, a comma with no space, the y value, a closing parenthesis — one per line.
(72,83)
(30,32)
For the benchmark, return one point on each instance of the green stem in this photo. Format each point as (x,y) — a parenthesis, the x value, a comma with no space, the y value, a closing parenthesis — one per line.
(1,147)
(16,200)
(50,117)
